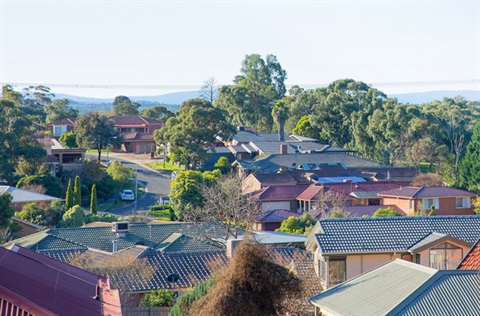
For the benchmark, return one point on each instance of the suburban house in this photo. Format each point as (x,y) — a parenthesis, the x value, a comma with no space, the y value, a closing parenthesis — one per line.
(271,220)
(22,197)
(400,287)
(447,201)
(34,284)
(278,197)
(246,135)
(61,126)
(137,132)
(166,248)
(57,155)
(346,247)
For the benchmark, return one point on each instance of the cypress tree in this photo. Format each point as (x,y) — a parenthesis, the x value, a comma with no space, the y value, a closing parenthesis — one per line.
(469,169)
(69,196)
(93,201)
(77,192)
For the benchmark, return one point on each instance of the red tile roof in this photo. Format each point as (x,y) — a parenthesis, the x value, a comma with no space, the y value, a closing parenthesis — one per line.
(472,259)
(38,282)
(424,192)
(66,121)
(345,188)
(280,192)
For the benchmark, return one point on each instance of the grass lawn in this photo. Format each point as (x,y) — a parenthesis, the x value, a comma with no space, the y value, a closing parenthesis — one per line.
(162,215)
(425,167)
(168,166)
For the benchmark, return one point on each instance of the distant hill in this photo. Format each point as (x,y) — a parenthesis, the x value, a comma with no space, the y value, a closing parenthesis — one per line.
(172,101)
(425,97)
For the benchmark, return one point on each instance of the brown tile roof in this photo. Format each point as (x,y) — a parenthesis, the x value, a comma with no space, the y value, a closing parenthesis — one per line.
(133,120)
(275,178)
(345,188)
(54,286)
(275,216)
(138,137)
(280,192)
(424,192)
(310,193)
(472,259)
(66,121)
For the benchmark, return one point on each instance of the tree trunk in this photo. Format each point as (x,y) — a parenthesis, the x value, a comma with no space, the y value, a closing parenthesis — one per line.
(281,131)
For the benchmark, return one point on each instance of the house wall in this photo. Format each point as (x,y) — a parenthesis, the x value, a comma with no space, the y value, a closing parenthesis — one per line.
(425,255)
(250,184)
(139,147)
(447,206)
(358,264)
(403,204)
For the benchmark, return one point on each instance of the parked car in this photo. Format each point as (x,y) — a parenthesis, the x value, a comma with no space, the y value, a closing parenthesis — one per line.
(174,174)
(127,195)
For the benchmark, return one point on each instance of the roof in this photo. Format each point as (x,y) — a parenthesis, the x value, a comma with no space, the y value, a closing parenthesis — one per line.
(267,237)
(278,192)
(47,286)
(472,259)
(387,234)
(133,120)
(25,196)
(275,216)
(359,211)
(403,288)
(273,178)
(274,162)
(138,137)
(273,147)
(359,190)
(426,192)
(65,121)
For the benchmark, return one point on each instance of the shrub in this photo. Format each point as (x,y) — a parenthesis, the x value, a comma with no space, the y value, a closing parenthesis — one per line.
(158,298)
(383,212)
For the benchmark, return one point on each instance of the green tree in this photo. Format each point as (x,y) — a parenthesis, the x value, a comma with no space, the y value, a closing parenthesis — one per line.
(384,212)
(94,130)
(31,213)
(93,201)
(222,162)
(157,112)
(52,184)
(6,212)
(120,174)
(77,191)
(161,297)
(74,217)
(297,225)
(69,196)
(194,130)
(469,169)
(68,139)
(59,109)
(280,114)
(305,128)
(123,106)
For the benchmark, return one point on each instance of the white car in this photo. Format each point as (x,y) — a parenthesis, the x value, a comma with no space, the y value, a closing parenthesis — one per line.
(127,195)
(174,174)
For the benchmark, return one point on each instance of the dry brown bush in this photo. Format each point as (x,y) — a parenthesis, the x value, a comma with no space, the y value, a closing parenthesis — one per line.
(252,284)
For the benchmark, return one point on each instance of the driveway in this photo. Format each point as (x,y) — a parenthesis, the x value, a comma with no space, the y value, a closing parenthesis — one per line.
(156,183)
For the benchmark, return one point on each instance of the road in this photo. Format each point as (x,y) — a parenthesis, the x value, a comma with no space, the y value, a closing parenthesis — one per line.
(157,183)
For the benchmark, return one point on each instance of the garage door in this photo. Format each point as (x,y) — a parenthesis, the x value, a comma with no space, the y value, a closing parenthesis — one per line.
(280,205)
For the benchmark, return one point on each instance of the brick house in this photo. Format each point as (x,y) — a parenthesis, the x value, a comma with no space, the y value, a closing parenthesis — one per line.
(61,126)
(447,201)
(137,132)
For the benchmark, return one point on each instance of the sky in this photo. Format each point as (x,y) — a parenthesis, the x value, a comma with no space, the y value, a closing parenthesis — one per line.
(107,48)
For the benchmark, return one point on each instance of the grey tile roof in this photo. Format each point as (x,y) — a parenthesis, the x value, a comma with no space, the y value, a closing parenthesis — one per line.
(356,235)
(275,216)
(62,255)
(425,192)
(404,288)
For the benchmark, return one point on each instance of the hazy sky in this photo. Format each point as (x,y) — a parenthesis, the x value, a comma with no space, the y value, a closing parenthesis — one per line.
(154,47)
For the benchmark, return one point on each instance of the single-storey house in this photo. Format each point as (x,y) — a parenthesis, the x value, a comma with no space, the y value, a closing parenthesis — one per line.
(62,126)
(447,201)
(278,197)
(400,287)
(346,247)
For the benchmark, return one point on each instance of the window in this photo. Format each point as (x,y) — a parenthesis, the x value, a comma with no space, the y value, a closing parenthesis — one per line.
(427,203)
(337,270)
(445,256)
(463,202)
(58,130)
(412,206)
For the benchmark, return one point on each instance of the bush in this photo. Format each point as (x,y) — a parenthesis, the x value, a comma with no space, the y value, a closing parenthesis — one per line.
(158,298)
(49,182)
(384,212)
(107,218)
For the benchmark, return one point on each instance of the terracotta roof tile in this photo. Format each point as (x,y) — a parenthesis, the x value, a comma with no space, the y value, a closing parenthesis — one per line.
(279,192)
(472,259)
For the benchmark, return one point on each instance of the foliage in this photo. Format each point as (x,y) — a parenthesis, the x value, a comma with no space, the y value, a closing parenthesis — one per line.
(107,218)
(94,130)
(93,201)
(50,183)
(185,192)
(432,211)
(188,297)
(69,196)
(54,213)
(384,212)
(305,128)
(280,113)
(120,174)
(157,112)
(249,101)
(253,282)
(469,170)
(68,140)
(59,109)
(338,212)
(297,225)
(194,130)
(222,162)
(31,213)
(6,212)
(123,106)
(428,180)
(476,204)
(161,297)
(74,217)
(77,191)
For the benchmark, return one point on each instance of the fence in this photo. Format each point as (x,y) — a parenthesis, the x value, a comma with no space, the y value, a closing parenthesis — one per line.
(145,311)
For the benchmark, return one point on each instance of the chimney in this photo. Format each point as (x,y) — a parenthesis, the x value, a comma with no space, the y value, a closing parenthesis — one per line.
(231,244)
(283,149)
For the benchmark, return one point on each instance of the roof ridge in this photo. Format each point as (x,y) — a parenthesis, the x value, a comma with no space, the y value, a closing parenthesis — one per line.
(418,191)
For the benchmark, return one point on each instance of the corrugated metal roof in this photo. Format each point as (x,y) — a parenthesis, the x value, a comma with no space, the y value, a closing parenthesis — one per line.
(347,235)
(404,288)
(375,292)
(25,196)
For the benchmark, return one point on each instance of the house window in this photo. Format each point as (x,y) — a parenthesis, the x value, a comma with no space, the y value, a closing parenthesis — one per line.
(59,130)
(445,256)
(412,206)
(427,203)
(337,270)
(463,202)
